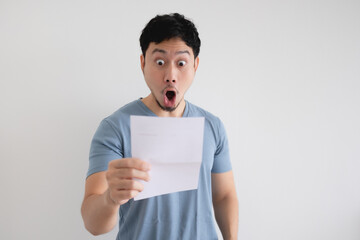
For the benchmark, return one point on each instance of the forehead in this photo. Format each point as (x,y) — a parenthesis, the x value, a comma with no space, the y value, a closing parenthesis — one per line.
(171,46)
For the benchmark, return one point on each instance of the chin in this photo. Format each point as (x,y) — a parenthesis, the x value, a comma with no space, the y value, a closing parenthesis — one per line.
(168,109)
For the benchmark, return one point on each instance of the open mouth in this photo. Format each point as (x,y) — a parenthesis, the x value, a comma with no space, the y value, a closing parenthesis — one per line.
(170,95)
(169,98)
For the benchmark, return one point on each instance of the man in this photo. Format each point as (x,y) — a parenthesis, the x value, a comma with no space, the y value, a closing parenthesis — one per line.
(170,47)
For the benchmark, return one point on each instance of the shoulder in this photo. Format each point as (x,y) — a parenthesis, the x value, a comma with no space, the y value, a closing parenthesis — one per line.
(127,109)
(212,121)
(122,115)
(196,111)
(118,122)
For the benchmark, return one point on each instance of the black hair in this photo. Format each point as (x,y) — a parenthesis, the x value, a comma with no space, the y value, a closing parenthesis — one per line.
(165,27)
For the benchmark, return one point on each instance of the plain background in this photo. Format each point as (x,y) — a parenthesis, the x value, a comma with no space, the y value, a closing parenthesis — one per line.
(284,77)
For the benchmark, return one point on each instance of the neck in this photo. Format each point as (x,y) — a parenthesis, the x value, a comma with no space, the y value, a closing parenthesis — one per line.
(151,103)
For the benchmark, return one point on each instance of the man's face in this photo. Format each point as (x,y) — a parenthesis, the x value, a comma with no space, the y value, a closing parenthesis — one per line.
(169,68)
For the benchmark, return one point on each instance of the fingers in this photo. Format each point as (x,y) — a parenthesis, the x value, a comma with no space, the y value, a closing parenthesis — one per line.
(121,189)
(130,163)
(129,173)
(125,184)
(122,196)
(124,189)
(122,178)
(129,168)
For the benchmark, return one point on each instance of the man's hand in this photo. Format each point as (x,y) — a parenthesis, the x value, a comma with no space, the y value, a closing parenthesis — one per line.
(122,175)
(106,191)
(225,204)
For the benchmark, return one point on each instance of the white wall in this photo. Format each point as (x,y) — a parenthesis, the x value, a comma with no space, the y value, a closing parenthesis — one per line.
(282,75)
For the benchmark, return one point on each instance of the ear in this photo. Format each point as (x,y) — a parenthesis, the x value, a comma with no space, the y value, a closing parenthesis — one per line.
(196,63)
(142,61)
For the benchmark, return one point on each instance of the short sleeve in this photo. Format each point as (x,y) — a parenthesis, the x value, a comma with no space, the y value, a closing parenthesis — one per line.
(222,156)
(105,146)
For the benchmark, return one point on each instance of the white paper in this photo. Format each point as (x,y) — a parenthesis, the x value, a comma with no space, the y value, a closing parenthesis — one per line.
(173,147)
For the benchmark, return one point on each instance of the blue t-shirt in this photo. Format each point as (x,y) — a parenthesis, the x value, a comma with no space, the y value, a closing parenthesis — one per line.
(180,215)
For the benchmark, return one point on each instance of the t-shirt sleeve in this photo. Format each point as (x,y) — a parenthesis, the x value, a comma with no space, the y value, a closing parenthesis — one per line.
(105,146)
(222,156)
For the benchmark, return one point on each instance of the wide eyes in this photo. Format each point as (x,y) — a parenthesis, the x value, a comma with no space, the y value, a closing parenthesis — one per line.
(181,63)
(161,62)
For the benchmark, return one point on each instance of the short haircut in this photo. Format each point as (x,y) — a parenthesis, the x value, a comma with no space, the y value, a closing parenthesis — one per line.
(165,27)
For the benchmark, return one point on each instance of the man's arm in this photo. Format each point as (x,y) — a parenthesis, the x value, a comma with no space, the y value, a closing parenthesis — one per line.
(98,211)
(225,204)
(106,191)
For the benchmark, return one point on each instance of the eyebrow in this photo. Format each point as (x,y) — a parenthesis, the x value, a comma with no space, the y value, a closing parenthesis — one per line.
(164,52)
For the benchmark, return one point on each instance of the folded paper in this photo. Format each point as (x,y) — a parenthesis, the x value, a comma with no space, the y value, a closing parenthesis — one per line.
(173,147)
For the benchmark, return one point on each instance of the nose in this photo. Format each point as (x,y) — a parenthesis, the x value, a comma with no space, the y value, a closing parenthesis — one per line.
(170,75)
